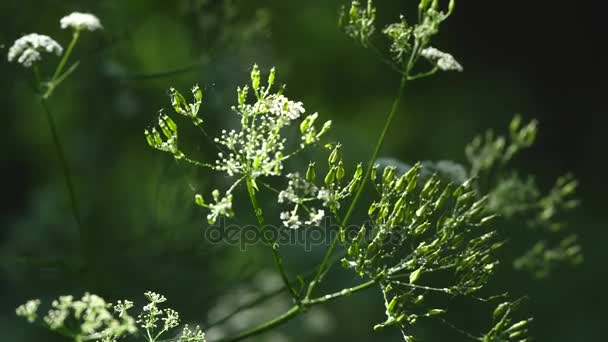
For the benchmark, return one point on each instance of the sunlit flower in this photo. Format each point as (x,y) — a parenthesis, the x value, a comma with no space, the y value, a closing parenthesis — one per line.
(81,21)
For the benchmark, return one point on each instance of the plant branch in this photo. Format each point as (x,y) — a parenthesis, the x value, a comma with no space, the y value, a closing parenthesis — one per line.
(65,56)
(277,258)
(370,164)
(66,171)
(298,309)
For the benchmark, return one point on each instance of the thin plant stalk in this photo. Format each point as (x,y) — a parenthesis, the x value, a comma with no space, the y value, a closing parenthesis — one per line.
(260,217)
(65,169)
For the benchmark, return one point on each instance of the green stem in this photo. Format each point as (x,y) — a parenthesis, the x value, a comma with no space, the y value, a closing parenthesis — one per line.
(66,171)
(341,293)
(66,55)
(277,258)
(298,309)
(288,315)
(370,164)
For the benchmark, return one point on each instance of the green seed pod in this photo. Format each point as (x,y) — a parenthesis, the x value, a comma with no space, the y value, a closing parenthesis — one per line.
(435,312)
(197,93)
(500,310)
(331,176)
(414,276)
(518,326)
(170,123)
(340,171)
(310,173)
(149,138)
(391,306)
(374,173)
(157,139)
(308,122)
(178,102)
(271,77)
(358,171)
(255,78)
(451,6)
(443,197)
(334,157)
(388,175)
(166,131)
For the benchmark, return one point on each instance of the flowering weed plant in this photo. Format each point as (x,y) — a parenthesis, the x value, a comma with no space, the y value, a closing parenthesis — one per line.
(428,237)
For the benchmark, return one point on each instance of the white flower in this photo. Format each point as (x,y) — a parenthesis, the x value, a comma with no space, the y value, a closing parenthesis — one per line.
(444,61)
(291,220)
(195,335)
(81,21)
(283,107)
(221,207)
(26,50)
(29,310)
(316,216)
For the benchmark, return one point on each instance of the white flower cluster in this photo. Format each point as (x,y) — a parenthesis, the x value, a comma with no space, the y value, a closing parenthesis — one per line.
(93,316)
(221,207)
(81,21)
(26,50)
(443,61)
(29,310)
(90,318)
(151,315)
(299,191)
(195,335)
(259,147)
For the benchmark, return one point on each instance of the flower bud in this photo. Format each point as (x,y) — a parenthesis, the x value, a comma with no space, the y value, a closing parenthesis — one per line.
(324,129)
(199,200)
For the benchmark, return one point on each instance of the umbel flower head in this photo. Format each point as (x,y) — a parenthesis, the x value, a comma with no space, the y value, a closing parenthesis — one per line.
(258,148)
(444,61)
(81,21)
(27,49)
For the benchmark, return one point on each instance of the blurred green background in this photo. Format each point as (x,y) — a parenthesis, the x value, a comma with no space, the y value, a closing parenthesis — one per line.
(539,59)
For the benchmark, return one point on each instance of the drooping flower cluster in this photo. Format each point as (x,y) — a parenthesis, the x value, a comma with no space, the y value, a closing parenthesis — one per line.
(81,21)
(443,61)
(27,49)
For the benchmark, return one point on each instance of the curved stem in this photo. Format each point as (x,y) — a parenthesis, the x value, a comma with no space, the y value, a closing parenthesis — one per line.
(298,309)
(370,164)
(277,258)
(66,171)
(288,315)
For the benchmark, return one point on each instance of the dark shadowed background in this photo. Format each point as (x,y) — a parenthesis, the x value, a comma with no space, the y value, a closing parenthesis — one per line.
(536,58)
